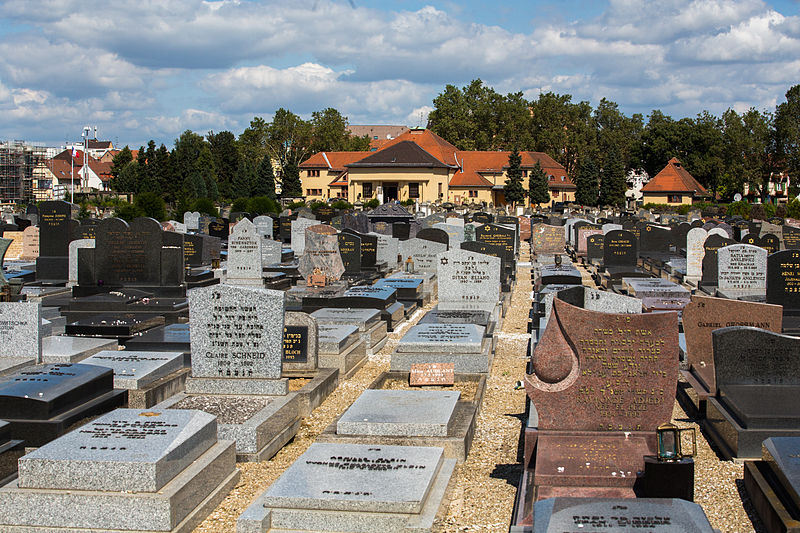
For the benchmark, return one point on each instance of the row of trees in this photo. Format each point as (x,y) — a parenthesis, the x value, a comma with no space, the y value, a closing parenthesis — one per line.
(722,153)
(220,165)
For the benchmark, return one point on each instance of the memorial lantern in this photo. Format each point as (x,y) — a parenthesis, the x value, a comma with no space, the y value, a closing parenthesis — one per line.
(670,447)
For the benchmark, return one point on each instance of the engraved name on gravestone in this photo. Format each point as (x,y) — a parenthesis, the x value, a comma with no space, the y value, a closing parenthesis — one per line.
(19,330)
(56,226)
(432,374)
(604,372)
(619,248)
(321,252)
(300,341)
(438,338)
(742,266)
(30,243)
(263,225)
(468,277)
(783,279)
(498,236)
(236,332)
(350,252)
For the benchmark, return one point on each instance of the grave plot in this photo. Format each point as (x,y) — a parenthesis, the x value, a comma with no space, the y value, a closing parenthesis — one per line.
(129,470)
(169,338)
(341,347)
(10,451)
(700,318)
(464,345)
(657,294)
(63,349)
(340,487)
(773,483)
(40,402)
(757,386)
(373,330)
(20,335)
(149,377)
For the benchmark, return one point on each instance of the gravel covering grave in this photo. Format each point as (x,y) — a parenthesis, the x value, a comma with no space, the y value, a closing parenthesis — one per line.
(227,409)
(483,488)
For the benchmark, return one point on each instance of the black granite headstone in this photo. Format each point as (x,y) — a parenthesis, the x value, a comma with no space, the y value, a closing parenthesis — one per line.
(498,236)
(55,233)
(654,239)
(620,248)
(369,248)
(400,230)
(783,279)
(791,238)
(350,250)
(295,344)
(434,235)
(219,228)
(710,261)
(594,247)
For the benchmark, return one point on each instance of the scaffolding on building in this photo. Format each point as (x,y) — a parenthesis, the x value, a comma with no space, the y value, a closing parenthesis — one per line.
(19,162)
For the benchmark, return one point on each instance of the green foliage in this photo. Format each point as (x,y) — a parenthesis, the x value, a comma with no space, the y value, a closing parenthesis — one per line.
(244,180)
(538,191)
(291,187)
(239,205)
(127,179)
(296,205)
(408,202)
(316,204)
(512,189)
(128,212)
(741,208)
(372,203)
(265,179)
(84,211)
(205,206)
(151,205)
(225,156)
(612,180)
(793,209)
(787,129)
(262,205)
(122,159)
(770,210)
(342,204)
(587,183)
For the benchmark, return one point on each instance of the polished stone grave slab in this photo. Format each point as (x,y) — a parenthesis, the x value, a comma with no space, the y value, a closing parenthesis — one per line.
(409,413)
(136,370)
(64,349)
(773,484)
(464,345)
(169,338)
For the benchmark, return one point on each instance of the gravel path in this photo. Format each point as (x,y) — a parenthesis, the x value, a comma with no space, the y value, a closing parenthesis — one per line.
(483,488)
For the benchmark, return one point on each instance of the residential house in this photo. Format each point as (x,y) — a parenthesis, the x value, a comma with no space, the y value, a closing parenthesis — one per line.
(673,186)
(420,165)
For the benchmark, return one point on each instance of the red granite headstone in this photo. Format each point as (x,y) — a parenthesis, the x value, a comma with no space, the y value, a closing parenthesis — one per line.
(432,374)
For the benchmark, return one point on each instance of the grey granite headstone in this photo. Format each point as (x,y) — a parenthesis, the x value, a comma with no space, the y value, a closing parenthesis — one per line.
(438,338)
(321,252)
(192,220)
(300,341)
(236,332)
(742,267)
(299,228)
(364,319)
(695,251)
(270,252)
(401,413)
(244,255)
(593,300)
(20,324)
(357,477)
(64,349)
(126,450)
(388,248)
(423,253)
(656,515)
(73,258)
(263,225)
(468,277)
(455,233)
(136,370)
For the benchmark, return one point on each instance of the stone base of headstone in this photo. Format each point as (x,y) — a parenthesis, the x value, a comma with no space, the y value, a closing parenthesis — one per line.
(113,326)
(465,363)
(347,361)
(379,499)
(9,365)
(692,395)
(159,390)
(170,338)
(376,338)
(178,507)
(222,385)
(394,315)
(263,434)
(740,443)
(668,479)
(749,295)
(323,382)
(10,451)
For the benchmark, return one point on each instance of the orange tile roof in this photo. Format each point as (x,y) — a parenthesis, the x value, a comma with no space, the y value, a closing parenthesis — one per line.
(428,141)
(333,160)
(674,178)
(474,164)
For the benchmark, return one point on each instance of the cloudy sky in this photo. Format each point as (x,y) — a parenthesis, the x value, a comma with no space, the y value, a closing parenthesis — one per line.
(150,68)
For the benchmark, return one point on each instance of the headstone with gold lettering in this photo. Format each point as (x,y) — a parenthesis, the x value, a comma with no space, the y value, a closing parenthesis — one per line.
(56,227)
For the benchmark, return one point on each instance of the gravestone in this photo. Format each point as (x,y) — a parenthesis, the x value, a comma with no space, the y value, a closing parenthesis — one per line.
(285,227)
(695,251)
(468,277)
(350,252)
(423,253)
(791,238)
(237,339)
(168,338)
(321,252)
(299,228)
(219,227)
(655,239)
(30,243)
(758,384)
(773,483)
(192,220)
(14,250)
(20,338)
(369,249)
(135,370)
(434,235)
(594,247)
(742,267)
(55,231)
(244,255)
(711,260)
(455,233)
(387,249)
(263,225)
(619,249)
(498,236)
(464,345)
(74,246)
(704,315)
(401,230)
(300,342)
(783,280)
(270,252)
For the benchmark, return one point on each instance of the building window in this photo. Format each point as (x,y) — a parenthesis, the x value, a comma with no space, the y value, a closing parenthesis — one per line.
(473,194)
(524,173)
(440,190)
(674,198)
(413,190)
(366,190)
(313,192)
(313,173)
(552,178)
